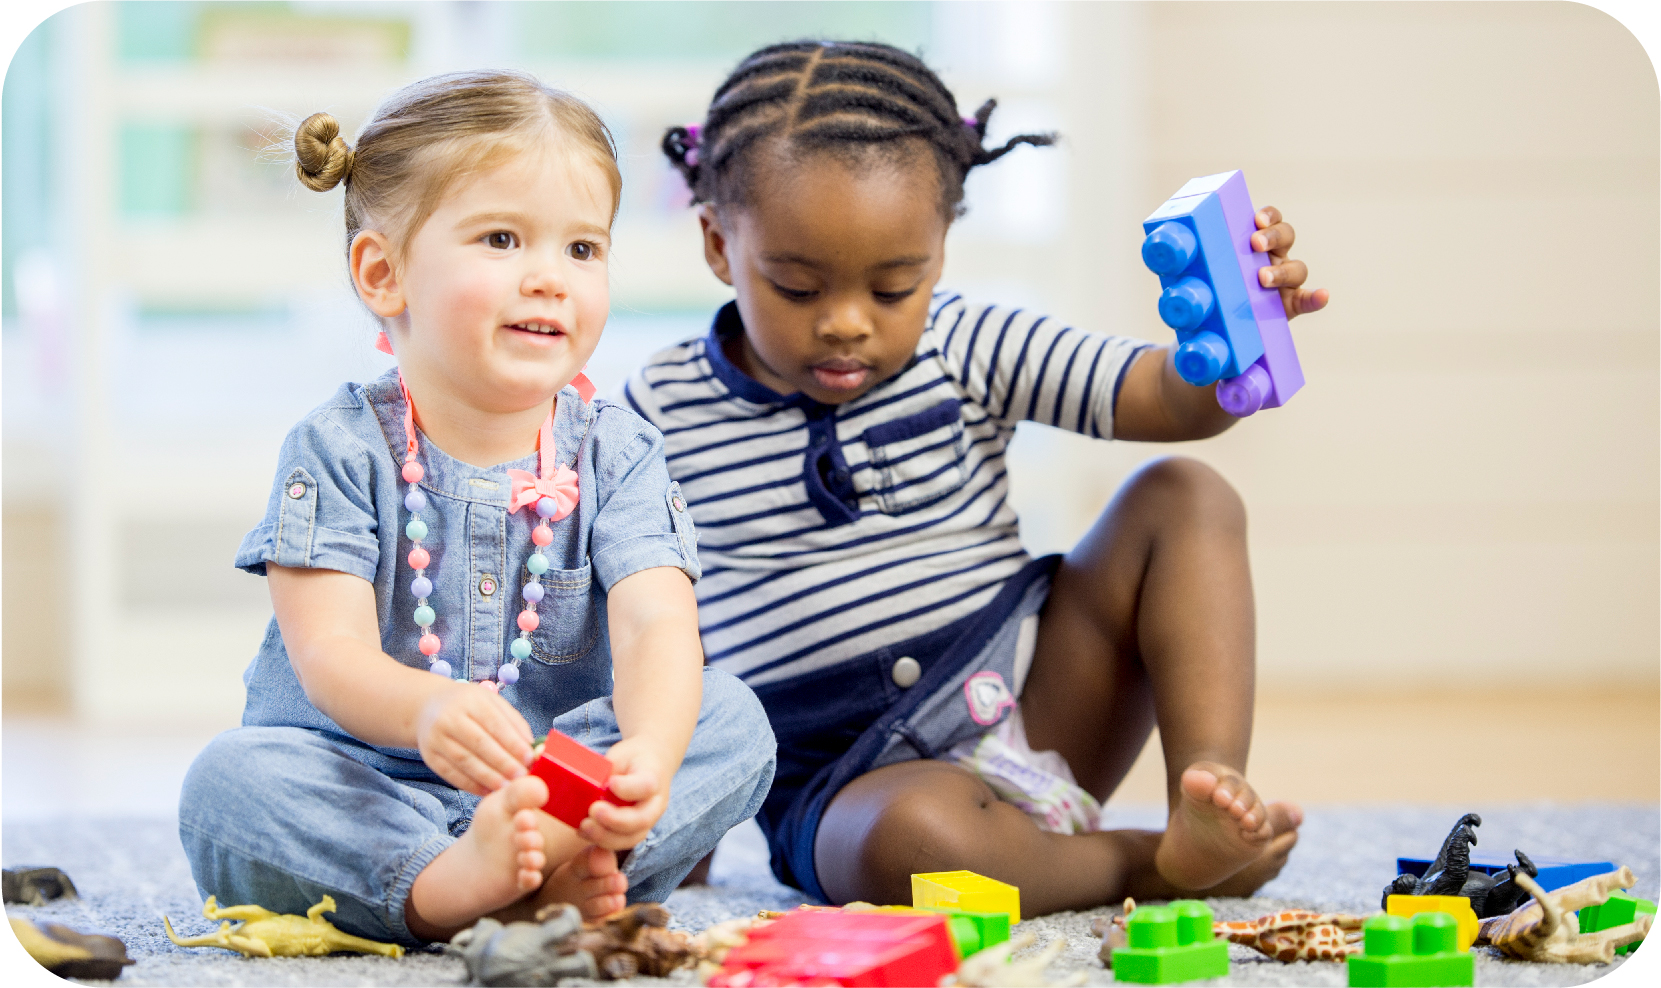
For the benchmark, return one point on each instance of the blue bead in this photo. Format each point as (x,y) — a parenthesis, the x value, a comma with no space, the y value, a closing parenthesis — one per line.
(440,667)
(546,507)
(537,564)
(415,500)
(416,529)
(521,648)
(508,675)
(425,616)
(532,592)
(421,587)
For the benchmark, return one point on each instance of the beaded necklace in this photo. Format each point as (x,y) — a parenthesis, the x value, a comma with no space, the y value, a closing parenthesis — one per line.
(553,494)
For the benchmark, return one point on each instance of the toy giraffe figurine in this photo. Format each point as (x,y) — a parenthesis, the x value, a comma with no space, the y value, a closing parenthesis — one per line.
(263,933)
(1292,935)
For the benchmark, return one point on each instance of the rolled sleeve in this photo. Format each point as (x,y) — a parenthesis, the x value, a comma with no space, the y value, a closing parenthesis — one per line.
(321,513)
(643,521)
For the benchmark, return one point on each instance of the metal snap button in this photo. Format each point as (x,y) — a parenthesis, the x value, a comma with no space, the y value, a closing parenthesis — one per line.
(297,490)
(906,671)
(679,504)
(487,585)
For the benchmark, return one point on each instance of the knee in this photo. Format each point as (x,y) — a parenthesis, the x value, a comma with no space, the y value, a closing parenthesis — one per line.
(733,721)
(891,851)
(1188,490)
(235,768)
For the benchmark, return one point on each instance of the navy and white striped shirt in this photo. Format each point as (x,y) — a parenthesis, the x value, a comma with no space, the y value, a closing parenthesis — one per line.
(827,531)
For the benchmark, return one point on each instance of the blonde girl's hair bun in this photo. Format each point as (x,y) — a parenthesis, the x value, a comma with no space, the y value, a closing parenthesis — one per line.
(322,159)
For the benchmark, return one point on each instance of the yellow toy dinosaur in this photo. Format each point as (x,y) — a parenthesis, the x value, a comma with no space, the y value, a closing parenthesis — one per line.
(263,933)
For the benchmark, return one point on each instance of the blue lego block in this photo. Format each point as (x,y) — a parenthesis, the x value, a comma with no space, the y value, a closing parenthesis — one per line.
(1555,873)
(1205,299)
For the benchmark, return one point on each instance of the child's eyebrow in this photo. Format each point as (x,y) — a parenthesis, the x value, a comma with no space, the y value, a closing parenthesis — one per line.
(492,217)
(909,261)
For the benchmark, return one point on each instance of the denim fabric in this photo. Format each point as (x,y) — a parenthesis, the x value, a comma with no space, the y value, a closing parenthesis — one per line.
(281,816)
(839,723)
(338,503)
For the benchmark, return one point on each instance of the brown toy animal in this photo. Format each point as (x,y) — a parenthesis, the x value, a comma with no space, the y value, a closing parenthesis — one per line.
(1546,929)
(634,941)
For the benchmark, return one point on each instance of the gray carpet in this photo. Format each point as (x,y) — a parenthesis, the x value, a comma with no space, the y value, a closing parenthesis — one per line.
(131,872)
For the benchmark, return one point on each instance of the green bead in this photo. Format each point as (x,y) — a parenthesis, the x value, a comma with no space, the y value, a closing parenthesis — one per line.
(521,648)
(537,564)
(416,529)
(425,616)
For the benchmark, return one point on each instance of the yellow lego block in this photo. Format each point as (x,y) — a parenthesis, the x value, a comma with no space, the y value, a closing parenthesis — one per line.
(1457,906)
(967,891)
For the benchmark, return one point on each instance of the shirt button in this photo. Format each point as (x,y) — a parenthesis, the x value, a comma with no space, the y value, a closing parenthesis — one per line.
(487,585)
(906,671)
(297,490)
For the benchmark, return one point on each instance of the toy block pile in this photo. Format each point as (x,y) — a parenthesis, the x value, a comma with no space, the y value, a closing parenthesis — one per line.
(1170,944)
(1419,953)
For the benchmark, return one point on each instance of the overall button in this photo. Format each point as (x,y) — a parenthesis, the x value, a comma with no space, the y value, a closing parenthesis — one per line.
(678,502)
(906,671)
(487,585)
(297,490)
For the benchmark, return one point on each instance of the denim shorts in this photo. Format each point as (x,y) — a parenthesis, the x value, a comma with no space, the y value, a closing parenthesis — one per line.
(836,724)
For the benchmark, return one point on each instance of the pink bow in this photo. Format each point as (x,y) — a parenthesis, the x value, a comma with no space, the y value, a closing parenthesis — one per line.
(528,489)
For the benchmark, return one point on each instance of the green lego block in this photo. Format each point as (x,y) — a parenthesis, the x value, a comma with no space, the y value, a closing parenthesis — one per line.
(1423,953)
(1619,910)
(973,932)
(1169,944)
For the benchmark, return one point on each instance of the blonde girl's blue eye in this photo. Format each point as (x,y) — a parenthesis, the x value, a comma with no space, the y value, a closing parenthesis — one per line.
(501,240)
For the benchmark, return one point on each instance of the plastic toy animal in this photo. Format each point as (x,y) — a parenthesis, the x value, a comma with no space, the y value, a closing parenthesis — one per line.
(1297,935)
(1290,935)
(70,953)
(1547,930)
(1451,874)
(33,886)
(635,941)
(522,953)
(992,966)
(263,933)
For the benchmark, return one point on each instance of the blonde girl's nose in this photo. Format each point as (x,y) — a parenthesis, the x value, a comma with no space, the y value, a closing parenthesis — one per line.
(544,279)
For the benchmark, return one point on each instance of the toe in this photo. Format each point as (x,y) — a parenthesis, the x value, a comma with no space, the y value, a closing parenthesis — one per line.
(1285,817)
(1200,784)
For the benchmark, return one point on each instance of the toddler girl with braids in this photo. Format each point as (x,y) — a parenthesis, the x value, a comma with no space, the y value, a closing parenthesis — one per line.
(840,436)
(466,552)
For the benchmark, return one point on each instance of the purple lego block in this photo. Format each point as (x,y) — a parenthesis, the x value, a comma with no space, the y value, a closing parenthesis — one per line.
(1276,376)
(1205,301)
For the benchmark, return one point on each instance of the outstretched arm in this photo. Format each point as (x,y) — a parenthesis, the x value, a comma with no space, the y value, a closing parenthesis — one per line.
(1157,405)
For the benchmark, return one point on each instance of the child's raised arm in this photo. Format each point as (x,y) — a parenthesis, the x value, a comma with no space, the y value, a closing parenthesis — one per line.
(657,665)
(1157,405)
(471,737)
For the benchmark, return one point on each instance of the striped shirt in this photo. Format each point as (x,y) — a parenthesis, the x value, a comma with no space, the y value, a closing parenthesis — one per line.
(828,531)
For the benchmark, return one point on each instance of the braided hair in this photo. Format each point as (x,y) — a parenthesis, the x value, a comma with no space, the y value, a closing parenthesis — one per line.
(844,97)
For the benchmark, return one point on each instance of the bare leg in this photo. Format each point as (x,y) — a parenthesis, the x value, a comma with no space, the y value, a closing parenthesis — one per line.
(1150,617)
(498,860)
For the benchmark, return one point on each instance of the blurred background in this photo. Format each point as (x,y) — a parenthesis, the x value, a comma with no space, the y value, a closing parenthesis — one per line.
(1454,526)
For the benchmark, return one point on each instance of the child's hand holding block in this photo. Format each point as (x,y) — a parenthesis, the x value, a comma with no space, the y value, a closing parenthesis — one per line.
(576,777)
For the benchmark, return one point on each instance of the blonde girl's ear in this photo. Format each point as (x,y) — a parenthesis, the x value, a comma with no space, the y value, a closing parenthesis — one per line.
(715,242)
(374,274)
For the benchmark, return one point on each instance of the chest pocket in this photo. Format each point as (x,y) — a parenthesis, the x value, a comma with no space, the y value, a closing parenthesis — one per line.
(569,616)
(918,459)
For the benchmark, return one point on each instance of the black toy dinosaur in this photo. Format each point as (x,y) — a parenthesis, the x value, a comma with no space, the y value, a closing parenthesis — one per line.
(1451,874)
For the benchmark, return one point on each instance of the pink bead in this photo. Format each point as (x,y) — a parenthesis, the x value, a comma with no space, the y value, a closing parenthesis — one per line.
(489,684)
(528,621)
(418,558)
(413,472)
(542,535)
(429,644)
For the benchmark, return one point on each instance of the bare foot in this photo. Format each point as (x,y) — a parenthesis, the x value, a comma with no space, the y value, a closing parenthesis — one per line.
(590,881)
(1221,828)
(498,860)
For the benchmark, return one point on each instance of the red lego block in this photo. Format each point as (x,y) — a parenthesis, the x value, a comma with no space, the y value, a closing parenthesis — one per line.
(880,950)
(576,777)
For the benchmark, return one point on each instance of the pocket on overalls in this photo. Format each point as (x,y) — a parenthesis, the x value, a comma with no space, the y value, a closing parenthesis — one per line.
(918,459)
(570,618)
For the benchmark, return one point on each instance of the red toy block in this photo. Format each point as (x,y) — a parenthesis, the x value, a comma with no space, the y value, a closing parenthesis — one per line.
(576,777)
(879,950)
